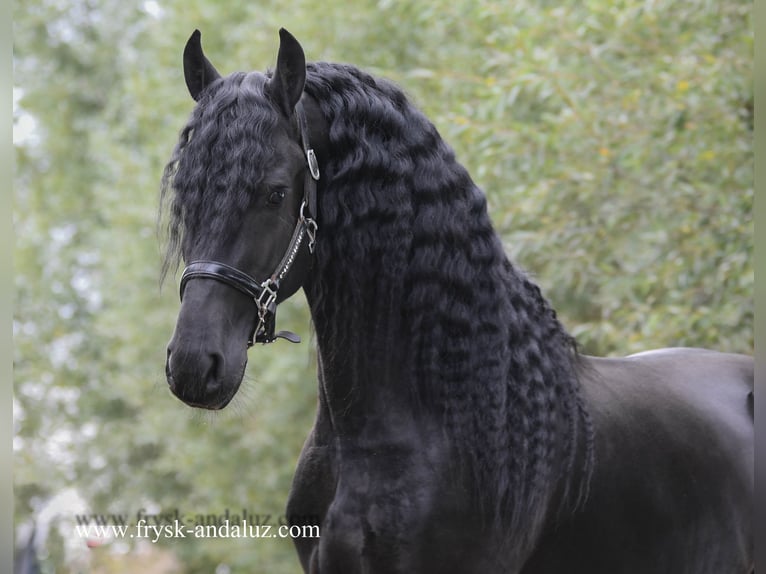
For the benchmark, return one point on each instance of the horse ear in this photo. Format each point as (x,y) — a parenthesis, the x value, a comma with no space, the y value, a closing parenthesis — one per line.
(198,71)
(286,85)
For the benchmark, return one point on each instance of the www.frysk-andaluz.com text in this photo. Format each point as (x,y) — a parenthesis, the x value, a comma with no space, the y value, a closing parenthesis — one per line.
(174,524)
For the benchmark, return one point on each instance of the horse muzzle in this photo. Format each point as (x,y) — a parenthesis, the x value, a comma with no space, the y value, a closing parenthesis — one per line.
(200,379)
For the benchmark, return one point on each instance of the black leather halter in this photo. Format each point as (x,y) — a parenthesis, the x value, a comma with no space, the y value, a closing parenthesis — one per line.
(264,293)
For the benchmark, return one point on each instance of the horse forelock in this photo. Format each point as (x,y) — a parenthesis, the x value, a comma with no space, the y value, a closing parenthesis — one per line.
(221,157)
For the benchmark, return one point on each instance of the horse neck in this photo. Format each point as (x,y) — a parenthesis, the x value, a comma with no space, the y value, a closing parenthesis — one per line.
(394,299)
(363,355)
(419,315)
(354,296)
(405,250)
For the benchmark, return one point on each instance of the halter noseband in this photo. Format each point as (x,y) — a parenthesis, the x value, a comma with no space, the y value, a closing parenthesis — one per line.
(264,293)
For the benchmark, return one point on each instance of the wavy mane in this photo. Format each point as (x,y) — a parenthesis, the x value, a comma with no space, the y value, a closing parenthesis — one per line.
(413,261)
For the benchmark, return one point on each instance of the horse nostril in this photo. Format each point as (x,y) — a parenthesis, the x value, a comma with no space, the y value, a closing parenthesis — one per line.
(168,372)
(214,374)
(197,377)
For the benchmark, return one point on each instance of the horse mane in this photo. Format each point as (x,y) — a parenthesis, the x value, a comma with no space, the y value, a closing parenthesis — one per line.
(421,263)
(410,282)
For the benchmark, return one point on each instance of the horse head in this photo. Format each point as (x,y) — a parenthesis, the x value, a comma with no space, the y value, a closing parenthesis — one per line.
(242,183)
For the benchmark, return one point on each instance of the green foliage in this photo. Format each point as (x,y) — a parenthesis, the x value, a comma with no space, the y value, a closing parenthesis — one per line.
(613,141)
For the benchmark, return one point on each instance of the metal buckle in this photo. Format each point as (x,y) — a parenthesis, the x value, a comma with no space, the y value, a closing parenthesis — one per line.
(266,298)
(311,231)
(313,164)
(311,227)
(264,302)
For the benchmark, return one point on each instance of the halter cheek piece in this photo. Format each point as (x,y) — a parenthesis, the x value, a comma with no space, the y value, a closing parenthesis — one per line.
(264,293)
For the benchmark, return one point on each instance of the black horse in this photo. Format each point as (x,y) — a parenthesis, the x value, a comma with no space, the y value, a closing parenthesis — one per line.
(458,430)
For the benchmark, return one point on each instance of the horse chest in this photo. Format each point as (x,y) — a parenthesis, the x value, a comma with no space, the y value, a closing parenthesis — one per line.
(389,503)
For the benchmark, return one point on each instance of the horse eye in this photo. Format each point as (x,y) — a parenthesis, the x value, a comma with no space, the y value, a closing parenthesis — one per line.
(276,197)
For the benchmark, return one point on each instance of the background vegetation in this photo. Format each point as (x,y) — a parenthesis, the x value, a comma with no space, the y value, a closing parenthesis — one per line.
(613,140)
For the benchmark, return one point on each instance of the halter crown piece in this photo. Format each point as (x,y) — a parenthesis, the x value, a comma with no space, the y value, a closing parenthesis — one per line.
(264,293)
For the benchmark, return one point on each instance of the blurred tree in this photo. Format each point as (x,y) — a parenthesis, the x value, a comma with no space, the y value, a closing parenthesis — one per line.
(613,141)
